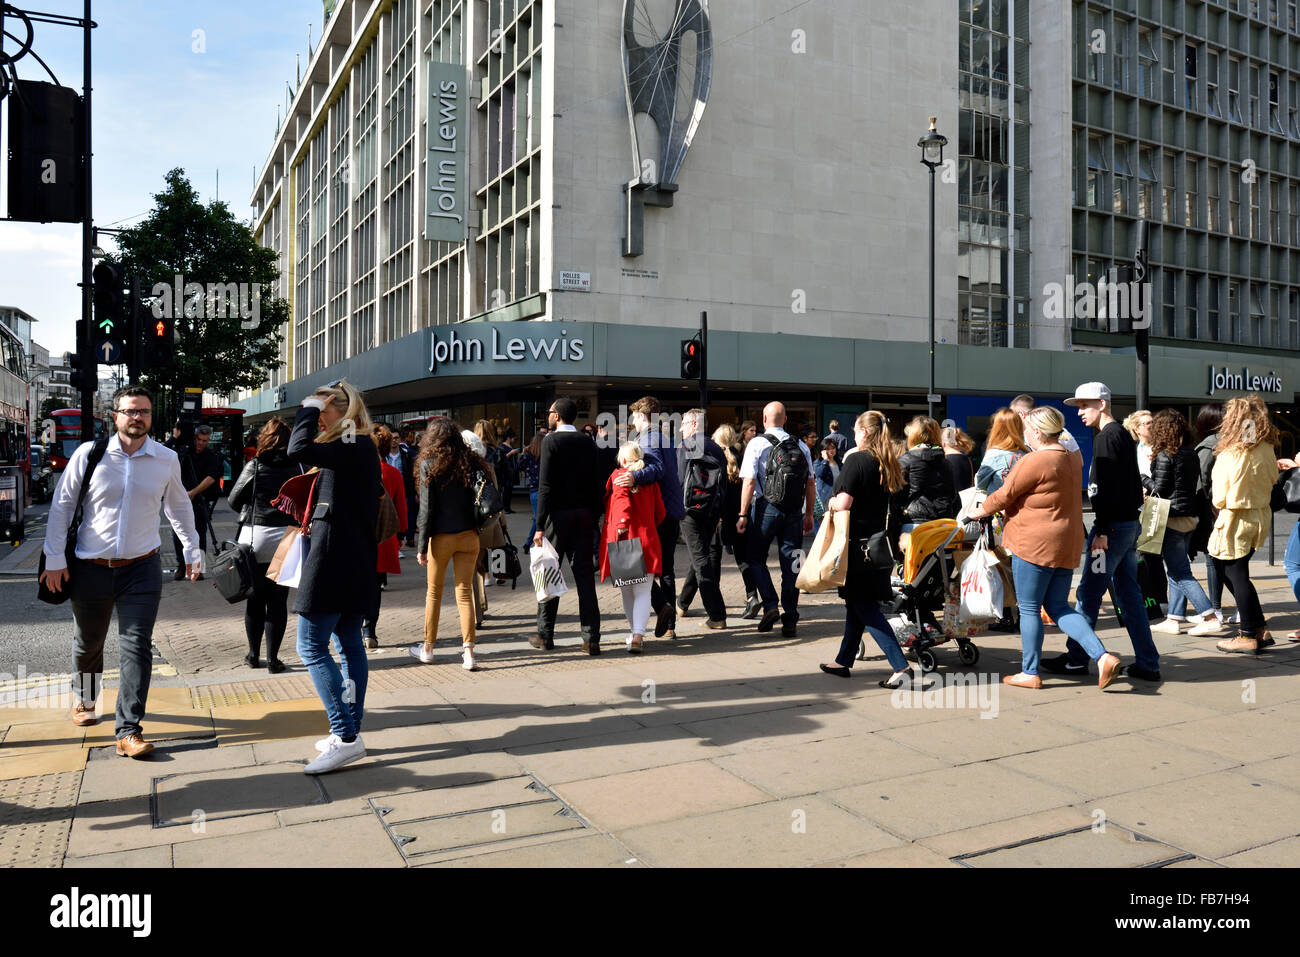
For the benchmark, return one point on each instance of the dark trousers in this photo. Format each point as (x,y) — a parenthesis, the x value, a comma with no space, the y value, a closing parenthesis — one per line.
(368,624)
(739,542)
(664,590)
(1237,575)
(507,495)
(266,612)
(705,573)
(768,523)
(862,613)
(412,512)
(134,592)
(572,533)
(200,526)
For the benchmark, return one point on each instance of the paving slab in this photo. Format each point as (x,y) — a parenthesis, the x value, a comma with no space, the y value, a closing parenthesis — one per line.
(1026,827)
(825,765)
(269,721)
(55,761)
(787,726)
(34,820)
(227,793)
(504,842)
(922,805)
(608,754)
(1242,738)
(1105,766)
(663,704)
(452,799)
(1212,816)
(504,696)
(416,773)
(906,855)
(971,737)
(1109,847)
(354,842)
(110,778)
(560,723)
(791,833)
(482,828)
(1284,853)
(144,857)
(36,736)
(658,794)
(158,726)
(593,850)
(1284,771)
(125,825)
(1100,716)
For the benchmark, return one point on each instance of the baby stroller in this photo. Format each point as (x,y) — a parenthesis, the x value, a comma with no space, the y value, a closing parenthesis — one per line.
(930,575)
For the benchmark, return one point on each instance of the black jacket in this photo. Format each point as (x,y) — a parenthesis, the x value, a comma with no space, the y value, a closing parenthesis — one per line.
(1175,478)
(930,494)
(568,477)
(263,475)
(445,509)
(339,575)
(1114,483)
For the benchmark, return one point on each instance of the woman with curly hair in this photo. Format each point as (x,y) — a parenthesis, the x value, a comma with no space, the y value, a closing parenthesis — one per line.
(1175,471)
(1245,469)
(447,530)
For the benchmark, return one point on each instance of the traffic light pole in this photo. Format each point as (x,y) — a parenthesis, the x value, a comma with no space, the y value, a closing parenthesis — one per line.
(90,381)
(704,361)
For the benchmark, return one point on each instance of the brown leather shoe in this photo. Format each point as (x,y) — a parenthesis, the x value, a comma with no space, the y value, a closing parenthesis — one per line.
(591,648)
(1023,680)
(540,643)
(1107,670)
(83,715)
(133,746)
(1241,645)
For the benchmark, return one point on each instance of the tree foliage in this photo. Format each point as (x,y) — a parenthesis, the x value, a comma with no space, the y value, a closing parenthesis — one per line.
(205,245)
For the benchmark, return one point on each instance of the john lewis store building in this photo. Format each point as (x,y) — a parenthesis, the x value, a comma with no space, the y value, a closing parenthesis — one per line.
(559,227)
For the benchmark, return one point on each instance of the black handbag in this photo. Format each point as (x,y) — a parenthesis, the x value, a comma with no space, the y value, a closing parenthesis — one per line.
(487,499)
(880,553)
(1286,492)
(508,565)
(233,571)
(74,526)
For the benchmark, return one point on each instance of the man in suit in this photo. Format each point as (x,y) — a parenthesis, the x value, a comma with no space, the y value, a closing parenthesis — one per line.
(569,504)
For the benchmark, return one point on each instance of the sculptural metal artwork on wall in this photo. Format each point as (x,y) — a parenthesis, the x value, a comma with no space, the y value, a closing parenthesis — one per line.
(655,78)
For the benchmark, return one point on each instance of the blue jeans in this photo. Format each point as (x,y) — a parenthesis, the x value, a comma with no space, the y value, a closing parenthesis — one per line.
(1038,587)
(1291,560)
(532,500)
(1213,589)
(1183,586)
(766,524)
(342,692)
(862,613)
(1121,573)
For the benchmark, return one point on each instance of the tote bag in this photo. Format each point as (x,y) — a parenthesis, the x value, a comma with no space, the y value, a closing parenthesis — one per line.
(626,562)
(1152,525)
(544,563)
(827,563)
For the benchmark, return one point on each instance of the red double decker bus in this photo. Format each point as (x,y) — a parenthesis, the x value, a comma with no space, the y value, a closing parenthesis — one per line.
(67,436)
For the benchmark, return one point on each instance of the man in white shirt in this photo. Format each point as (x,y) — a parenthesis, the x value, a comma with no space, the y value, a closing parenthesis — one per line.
(769,522)
(117,562)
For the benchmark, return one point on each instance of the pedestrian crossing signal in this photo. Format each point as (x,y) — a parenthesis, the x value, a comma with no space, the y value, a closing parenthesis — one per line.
(158,349)
(691,355)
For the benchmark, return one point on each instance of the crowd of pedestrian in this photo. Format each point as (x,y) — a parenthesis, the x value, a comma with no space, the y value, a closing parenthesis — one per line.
(326,504)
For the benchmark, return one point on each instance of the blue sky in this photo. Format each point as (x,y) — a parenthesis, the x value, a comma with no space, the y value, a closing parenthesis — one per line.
(157,103)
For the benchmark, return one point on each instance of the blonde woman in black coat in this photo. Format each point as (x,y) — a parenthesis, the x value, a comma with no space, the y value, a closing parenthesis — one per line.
(339,587)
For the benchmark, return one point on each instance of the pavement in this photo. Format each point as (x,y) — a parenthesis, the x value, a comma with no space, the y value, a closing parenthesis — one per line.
(724,748)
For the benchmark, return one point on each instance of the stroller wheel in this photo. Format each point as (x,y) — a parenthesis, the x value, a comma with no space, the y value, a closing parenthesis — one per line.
(926,660)
(968,653)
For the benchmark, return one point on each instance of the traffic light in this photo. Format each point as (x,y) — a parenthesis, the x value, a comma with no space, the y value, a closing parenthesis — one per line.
(84,374)
(692,353)
(158,345)
(108,333)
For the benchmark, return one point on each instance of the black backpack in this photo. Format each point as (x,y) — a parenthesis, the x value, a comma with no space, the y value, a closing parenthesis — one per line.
(702,486)
(785,481)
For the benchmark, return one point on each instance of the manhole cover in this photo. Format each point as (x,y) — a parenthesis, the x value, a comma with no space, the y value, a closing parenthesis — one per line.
(437,820)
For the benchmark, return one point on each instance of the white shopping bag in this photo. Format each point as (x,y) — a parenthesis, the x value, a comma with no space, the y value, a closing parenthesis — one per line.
(291,571)
(545,566)
(981,585)
(970,499)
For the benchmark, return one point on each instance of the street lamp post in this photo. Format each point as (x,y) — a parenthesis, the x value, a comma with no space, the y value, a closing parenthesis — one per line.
(932,144)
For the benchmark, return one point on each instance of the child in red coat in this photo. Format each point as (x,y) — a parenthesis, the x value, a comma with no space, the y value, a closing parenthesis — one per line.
(633,513)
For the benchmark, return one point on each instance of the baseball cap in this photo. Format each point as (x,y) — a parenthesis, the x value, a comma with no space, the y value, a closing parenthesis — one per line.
(1090,390)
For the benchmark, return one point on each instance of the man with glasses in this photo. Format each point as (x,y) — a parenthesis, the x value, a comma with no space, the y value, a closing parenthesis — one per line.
(117,565)
(569,504)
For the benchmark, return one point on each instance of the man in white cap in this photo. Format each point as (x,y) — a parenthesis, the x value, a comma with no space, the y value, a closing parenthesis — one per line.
(1110,554)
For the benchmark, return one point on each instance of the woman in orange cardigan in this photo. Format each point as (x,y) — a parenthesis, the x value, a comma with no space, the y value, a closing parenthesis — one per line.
(634,512)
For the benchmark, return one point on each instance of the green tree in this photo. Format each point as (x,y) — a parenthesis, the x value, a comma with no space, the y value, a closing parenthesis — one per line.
(217,348)
(51,403)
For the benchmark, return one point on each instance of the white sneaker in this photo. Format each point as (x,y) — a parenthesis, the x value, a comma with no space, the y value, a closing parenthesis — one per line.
(1210,626)
(489,582)
(417,651)
(1233,619)
(323,744)
(1168,627)
(467,658)
(336,755)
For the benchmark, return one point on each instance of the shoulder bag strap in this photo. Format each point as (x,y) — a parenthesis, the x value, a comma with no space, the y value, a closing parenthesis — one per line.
(96,453)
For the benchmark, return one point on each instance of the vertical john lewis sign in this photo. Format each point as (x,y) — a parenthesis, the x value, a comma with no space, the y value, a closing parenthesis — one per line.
(447,170)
